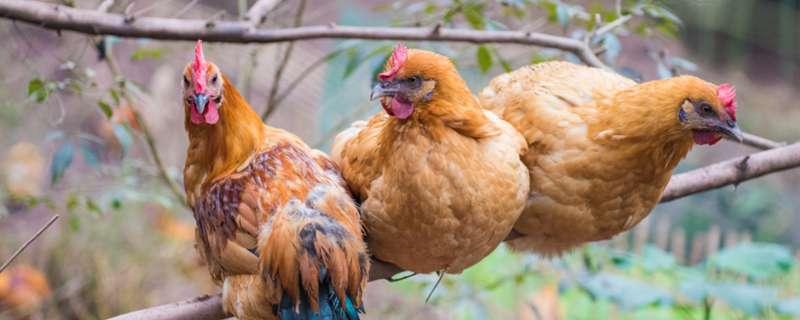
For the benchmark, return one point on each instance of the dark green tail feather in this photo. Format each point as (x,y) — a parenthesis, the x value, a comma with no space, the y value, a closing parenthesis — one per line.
(330,307)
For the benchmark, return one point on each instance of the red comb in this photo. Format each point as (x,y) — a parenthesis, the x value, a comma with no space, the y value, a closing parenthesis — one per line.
(727,94)
(396,61)
(199,67)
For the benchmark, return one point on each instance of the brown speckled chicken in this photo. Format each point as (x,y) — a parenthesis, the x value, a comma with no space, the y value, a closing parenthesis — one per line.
(601,148)
(439,179)
(274,219)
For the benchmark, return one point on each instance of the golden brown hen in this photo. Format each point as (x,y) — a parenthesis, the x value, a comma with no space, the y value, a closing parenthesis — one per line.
(274,219)
(601,148)
(440,180)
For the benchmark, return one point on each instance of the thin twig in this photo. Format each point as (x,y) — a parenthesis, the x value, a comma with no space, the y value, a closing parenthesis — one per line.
(27,243)
(611,25)
(151,7)
(287,54)
(302,75)
(185,8)
(259,10)
(758,142)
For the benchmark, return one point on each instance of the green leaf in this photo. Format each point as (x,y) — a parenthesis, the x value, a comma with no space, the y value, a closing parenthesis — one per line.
(751,299)
(484,57)
(116,203)
(627,293)
(124,137)
(474,15)
(114,96)
(147,53)
(758,261)
(106,108)
(37,90)
(654,259)
(74,222)
(62,159)
(91,205)
(72,202)
(353,61)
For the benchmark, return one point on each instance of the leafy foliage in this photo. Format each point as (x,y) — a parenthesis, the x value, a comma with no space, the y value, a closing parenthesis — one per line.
(758,261)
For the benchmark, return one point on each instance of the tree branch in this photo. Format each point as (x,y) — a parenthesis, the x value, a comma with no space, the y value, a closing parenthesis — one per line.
(27,243)
(59,17)
(725,173)
(205,307)
(732,171)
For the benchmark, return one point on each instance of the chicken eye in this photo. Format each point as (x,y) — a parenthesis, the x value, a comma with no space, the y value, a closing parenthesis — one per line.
(214,79)
(706,109)
(415,81)
(185,81)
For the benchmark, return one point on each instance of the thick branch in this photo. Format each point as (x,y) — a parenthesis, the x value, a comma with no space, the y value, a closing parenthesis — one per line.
(205,307)
(61,17)
(725,173)
(732,171)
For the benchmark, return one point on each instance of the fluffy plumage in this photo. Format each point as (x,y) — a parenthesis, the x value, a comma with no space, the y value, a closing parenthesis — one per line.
(274,219)
(601,147)
(440,180)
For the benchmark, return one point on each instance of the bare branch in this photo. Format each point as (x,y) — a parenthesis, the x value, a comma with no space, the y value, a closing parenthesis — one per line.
(305,73)
(59,17)
(205,307)
(732,171)
(729,172)
(27,243)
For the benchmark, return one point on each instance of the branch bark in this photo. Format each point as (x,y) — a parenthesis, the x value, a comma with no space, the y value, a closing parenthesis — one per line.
(59,17)
(205,307)
(714,176)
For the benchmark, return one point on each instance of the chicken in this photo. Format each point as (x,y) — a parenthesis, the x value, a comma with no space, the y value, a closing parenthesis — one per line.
(440,180)
(22,289)
(275,221)
(601,148)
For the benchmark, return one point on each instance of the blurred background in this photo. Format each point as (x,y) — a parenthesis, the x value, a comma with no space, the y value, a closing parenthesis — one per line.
(81,115)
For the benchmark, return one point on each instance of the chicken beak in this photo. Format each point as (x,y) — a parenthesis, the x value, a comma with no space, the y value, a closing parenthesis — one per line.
(383,89)
(730,129)
(200,102)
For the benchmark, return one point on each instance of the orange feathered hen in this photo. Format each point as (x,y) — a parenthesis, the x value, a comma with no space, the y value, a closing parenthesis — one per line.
(601,148)
(274,219)
(439,179)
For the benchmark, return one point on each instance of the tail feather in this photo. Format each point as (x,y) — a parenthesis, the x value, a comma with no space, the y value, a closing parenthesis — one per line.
(317,257)
(330,307)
